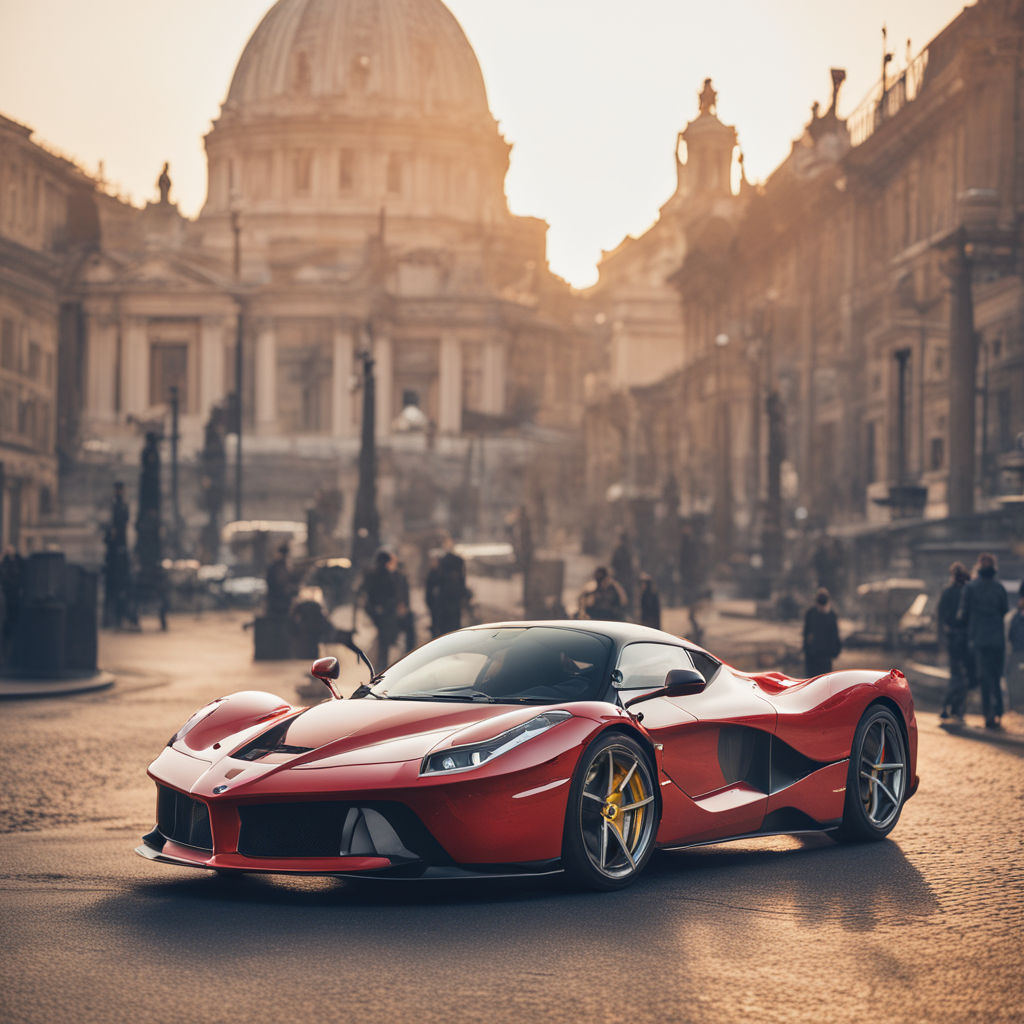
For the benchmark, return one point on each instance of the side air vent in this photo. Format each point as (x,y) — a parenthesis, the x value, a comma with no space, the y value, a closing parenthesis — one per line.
(182,819)
(271,742)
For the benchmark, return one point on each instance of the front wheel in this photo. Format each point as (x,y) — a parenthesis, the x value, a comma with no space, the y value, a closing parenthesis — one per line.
(613,813)
(876,783)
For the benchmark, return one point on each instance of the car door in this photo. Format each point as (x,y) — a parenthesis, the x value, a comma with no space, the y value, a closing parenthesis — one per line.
(716,743)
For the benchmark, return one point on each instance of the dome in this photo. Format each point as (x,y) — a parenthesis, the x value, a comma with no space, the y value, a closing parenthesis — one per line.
(396,58)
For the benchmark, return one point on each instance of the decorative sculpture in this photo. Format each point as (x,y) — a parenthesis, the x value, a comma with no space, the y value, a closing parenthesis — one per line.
(708,98)
(164,184)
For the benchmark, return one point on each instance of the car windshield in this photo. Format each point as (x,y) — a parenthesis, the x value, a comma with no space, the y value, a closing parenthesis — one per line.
(506,665)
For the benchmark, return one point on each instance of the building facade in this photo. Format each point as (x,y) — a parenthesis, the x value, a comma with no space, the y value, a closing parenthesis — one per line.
(853,341)
(44,220)
(356,197)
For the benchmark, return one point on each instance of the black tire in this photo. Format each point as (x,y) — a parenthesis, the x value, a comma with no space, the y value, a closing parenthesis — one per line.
(605,846)
(877,778)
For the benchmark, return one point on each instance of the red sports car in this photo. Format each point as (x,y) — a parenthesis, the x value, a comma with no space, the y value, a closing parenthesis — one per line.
(533,748)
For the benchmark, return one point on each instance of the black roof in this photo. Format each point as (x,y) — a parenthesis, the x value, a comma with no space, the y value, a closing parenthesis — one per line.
(620,632)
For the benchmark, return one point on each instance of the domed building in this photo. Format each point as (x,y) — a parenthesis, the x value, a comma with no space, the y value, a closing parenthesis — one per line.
(355,203)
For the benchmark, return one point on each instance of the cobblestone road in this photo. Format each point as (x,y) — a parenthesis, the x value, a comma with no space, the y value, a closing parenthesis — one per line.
(925,927)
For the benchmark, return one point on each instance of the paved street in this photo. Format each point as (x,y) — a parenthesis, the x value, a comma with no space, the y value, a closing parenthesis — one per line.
(924,927)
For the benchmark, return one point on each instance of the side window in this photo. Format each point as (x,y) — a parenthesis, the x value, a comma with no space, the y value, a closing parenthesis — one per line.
(644,666)
(705,664)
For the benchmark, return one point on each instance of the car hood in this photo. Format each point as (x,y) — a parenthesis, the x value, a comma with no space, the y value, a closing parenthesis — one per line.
(369,731)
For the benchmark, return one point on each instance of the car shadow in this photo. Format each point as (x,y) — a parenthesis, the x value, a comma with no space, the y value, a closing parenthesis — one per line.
(812,881)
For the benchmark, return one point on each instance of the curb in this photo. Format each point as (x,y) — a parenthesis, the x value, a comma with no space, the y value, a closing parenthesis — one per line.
(27,689)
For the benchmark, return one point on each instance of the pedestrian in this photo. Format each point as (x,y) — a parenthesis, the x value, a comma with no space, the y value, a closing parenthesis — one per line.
(693,578)
(432,593)
(821,635)
(953,635)
(451,590)
(1015,663)
(983,608)
(406,617)
(650,602)
(281,584)
(623,567)
(602,598)
(12,582)
(379,590)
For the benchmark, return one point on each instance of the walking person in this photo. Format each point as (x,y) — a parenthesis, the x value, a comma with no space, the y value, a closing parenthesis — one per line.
(452,592)
(821,635)
(623,567)
(650,602)
(983,608)
(602,598)
(432,594)
(379,589)
(406,617)
(953,635)
(1015,664)
(12,582)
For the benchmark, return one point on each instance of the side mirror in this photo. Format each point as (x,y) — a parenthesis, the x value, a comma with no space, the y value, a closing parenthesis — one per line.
(684,682)
(680,682)
(327,670)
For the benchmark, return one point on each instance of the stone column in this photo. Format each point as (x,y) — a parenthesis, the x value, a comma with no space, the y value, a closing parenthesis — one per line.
(101,368)
(134,365)
(450,390)
(341,378)
(212,332)
(493,389)
(266,378)
(963,368)
(384,376)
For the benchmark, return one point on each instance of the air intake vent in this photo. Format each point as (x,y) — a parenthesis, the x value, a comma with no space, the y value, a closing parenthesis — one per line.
(182,819)
(330,828)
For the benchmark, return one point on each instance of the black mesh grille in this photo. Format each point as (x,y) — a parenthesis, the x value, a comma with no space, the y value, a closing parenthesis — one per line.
(314,829)
(182,819)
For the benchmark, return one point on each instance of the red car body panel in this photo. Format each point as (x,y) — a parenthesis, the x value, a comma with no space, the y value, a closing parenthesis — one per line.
(717,755)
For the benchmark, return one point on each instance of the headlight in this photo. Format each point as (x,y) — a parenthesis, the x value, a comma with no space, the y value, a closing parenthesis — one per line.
(460,758)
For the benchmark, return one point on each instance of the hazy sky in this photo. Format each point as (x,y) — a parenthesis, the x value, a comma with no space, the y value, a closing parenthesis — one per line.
(590,92)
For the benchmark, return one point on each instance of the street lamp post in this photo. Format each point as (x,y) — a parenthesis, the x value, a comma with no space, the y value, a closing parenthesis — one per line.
(366,520)
(175,508)
(236,230)
(724,500)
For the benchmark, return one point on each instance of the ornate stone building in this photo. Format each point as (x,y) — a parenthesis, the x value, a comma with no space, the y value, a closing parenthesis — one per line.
(853,342)
(356,199)
(41,203)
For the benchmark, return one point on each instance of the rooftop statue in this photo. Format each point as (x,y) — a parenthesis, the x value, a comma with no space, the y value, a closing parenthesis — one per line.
(164,184)
(708,98)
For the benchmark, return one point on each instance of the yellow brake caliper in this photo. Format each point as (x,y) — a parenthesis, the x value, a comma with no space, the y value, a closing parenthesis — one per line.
(612,810)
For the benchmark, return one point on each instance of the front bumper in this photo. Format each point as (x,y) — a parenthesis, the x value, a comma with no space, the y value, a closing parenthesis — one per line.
(156,847)
(375,820)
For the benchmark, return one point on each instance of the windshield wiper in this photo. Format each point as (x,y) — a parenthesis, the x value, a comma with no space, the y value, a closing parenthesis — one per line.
(473,696)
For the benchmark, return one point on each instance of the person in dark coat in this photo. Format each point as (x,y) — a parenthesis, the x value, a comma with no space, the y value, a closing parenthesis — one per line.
(983,607)
(953,635)
(602,598)
(650,602)
(281,585)
(432,594)
(622,567)
(379,589)
(451,590)
(12,582)
(821,635)
(406,616)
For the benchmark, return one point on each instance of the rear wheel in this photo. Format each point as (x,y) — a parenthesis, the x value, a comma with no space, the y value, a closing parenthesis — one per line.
(876,782)
(613,813)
